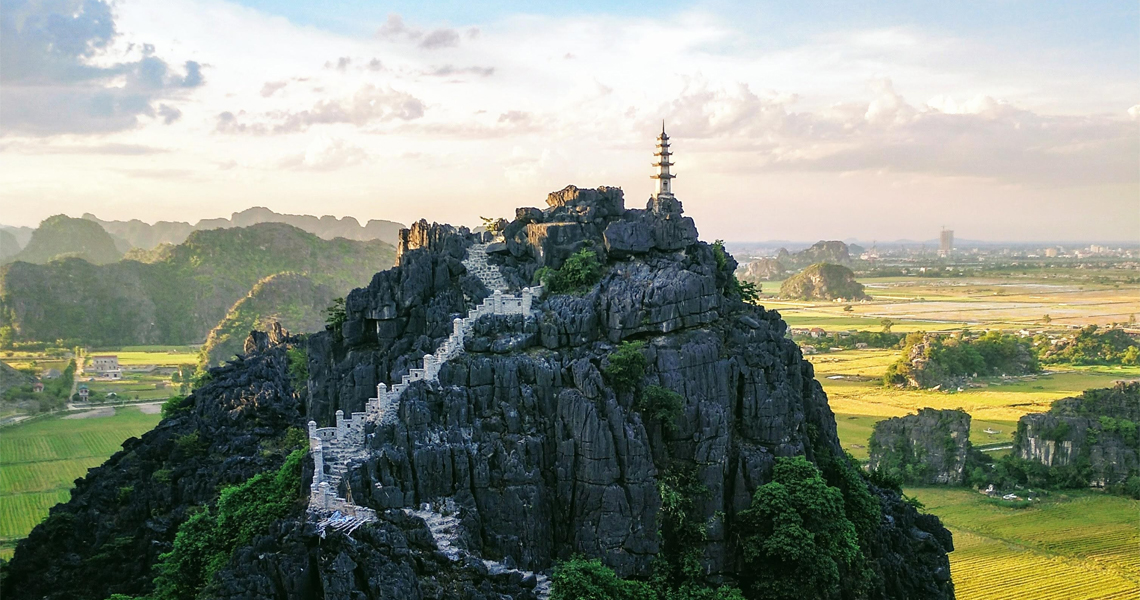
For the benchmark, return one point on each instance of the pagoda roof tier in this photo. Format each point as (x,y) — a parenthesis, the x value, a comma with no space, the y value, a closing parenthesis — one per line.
(663,164)
(662,176)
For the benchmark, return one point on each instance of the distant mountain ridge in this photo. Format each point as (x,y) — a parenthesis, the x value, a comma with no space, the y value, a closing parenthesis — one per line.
(62,236)
(180,292)
(147,236)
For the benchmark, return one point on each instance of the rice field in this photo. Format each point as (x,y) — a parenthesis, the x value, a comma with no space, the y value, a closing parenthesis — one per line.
(39,462)
(925,304)
(1071,545)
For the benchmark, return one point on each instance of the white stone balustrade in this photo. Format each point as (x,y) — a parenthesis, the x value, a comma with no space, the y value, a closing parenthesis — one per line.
(345,441)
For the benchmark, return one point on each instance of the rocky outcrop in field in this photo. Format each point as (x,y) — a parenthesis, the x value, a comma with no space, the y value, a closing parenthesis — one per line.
(823,281)
(929,447)
(1095,432)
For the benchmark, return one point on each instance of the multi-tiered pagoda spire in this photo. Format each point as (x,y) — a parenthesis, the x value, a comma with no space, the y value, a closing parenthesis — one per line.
(663,176)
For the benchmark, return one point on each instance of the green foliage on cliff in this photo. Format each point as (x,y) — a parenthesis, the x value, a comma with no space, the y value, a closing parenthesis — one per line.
(580,271)
(181,296)
(582,579)
(298,366)
(796,539)
(626,366)
(823,281)
(929,360)
(64,237)
(292,299)
(661,404)
(205,541)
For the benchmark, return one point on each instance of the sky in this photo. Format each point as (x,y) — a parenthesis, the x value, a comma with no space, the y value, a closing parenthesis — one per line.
(1004,120)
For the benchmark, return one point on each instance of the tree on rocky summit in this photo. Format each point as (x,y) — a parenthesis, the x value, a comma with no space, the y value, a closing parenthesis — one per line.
(796,539)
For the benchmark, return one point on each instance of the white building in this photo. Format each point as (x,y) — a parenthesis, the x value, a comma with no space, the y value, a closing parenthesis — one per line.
(104,365)
(663,176)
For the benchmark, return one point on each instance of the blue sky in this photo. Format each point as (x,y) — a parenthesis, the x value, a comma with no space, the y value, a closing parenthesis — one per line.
(1003,120)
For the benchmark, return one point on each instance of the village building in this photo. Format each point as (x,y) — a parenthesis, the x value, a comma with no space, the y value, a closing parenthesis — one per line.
(38,387)
(104,365)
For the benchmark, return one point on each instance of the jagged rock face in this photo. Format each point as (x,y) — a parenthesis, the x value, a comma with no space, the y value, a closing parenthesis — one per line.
(540,456)
(543,458)
(938,440)
(1073,433)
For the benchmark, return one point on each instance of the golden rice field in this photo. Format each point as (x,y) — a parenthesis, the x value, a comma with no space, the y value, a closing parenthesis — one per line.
(923,304)
(1077,545)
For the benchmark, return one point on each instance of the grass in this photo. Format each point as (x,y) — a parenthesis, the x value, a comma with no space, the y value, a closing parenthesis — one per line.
(1070,545)
(162,357)
(40,461)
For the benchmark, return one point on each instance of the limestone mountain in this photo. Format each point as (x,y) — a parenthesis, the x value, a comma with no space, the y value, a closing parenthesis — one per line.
(62,237)
(1094,434)
(823,281)
(631,415)
(823,251)
(929,447)
(147,236)
(9,245)
(761,269)
(181,294)
(293,300)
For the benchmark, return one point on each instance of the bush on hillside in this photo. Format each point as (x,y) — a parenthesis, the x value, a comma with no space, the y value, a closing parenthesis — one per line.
(796,539)
(580,271)
(205,541)
(625,366)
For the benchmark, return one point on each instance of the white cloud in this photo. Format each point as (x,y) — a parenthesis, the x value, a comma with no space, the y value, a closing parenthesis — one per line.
(503,114)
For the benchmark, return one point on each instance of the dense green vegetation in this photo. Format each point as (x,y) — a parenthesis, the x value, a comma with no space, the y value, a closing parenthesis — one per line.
(582,579)
(292,299)
(661,404)
(625,366)
(1092,346)
(580,271)
(797,539)
(64,237)
(823,281)
(930,360)
(180,296)
(205,541)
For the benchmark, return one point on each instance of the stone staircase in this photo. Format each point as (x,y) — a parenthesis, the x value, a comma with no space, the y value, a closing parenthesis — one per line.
(344,443)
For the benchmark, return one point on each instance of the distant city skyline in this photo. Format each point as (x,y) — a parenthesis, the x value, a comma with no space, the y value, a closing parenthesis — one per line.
(1016,121)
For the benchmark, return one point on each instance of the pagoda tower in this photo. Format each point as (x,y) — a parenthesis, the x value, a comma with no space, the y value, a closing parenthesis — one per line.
(663,176)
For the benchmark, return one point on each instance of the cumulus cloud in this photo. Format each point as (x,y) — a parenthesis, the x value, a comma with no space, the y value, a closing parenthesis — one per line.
(980,137)
(271,87)
(395,29)
(326,154)
(370,104)
(449,70)
(56,75)
(169,114)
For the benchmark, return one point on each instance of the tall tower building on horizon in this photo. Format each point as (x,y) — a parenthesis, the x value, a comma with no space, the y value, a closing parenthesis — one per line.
(663,176)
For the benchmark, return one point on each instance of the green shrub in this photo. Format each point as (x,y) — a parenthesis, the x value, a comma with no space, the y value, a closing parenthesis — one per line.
(580,272)
(161,476)
(336,315)
(626,366)
(205,541)
(174,406)
(796,539)
(298,358)
(661,404)
(125,493)
(582,579)
(190,444)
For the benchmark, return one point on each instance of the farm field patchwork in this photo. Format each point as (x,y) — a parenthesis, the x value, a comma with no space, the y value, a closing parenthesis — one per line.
(1079,544)
(39,461)
(926,304)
